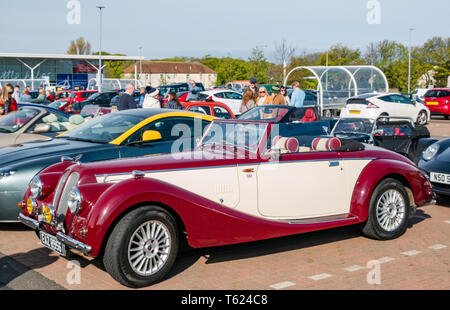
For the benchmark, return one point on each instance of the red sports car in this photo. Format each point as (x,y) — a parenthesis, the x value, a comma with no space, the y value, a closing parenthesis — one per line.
(246,181)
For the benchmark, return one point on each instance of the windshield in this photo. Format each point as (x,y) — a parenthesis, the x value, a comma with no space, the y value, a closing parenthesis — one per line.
(57,104)
(349,126)
(16,120)
(265,113)
(246,136)
(104,129)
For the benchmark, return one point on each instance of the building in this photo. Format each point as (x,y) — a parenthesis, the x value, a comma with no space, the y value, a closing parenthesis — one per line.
(60,70)
(156,73)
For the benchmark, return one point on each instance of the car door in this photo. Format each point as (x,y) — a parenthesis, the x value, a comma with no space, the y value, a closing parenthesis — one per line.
(303,185)
(233,101)
(177,134)
(404,107)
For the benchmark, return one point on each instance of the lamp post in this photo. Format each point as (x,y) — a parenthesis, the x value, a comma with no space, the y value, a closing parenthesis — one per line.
(100,77)
(409,61)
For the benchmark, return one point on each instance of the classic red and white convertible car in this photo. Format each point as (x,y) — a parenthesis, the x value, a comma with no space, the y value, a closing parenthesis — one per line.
(246,181)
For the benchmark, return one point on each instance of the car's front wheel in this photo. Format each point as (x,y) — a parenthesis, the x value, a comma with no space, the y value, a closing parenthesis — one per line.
(388,211)
(422,118)
(142,247)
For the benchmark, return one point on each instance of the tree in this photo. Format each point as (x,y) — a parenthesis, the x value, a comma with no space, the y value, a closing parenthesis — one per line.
(258,65)
(339,55)
(283,54)
(79,47)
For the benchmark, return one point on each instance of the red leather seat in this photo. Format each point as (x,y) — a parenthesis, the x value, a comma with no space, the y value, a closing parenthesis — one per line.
(310,116)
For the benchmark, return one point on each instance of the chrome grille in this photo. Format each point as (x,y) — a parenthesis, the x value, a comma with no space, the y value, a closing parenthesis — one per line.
(62,205)
(59,188)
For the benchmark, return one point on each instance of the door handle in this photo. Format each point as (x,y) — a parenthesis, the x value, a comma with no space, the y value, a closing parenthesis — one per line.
(333,164)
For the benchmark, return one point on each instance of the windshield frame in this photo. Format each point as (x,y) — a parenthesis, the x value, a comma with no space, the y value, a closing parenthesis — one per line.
(333,132)
(262,140)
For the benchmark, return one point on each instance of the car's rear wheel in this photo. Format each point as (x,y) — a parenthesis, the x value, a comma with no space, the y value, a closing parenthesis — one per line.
(142,247)
(383,119)
(422,118)
(388,211)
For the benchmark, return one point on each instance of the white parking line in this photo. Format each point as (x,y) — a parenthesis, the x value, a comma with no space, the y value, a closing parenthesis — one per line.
(354,268)
(411,253)
(320,276)
(282,285)
(437,246)
(385,259)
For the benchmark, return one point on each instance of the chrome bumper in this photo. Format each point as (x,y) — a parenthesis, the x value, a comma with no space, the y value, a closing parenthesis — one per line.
(70,242)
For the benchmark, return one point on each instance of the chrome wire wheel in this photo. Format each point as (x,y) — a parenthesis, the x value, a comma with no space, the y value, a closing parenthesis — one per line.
(149,248)
(390,210)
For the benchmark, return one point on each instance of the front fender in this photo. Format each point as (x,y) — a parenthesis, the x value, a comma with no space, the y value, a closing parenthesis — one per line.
(380,169)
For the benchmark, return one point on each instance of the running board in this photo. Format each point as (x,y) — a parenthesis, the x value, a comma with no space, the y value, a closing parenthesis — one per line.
(326,219)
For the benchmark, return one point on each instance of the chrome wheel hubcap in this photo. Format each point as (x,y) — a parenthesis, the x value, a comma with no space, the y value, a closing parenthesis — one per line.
(422,118)
(149,248)
(390,210)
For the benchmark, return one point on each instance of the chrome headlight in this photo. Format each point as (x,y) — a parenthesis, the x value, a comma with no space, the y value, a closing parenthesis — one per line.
(36,187)
(430,152)
(74,201)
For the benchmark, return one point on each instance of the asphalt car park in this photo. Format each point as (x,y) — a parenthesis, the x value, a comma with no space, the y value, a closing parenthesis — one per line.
(339,258)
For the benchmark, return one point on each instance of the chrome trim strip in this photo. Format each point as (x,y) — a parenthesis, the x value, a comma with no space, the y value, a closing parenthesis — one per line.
(238,165)
(327,219)
(72,243)
(28,221)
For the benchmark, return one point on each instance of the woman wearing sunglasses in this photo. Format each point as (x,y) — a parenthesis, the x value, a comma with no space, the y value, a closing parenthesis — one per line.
(7,102)
(263,97)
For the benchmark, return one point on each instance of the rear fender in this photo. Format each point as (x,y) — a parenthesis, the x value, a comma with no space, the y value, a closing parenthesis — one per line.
(380,169)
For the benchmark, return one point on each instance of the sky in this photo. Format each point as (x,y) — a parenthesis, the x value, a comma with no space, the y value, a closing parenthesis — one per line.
(194,28)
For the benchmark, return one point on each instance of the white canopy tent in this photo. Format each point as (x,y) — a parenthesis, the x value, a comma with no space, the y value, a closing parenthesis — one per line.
(336,84)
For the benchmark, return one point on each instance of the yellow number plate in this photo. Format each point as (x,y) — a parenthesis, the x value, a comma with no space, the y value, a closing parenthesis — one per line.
(432,103)
(355,112)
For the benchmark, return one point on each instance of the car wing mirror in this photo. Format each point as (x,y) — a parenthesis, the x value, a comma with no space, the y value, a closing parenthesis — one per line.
(151,135)
(42,128)
(378,132)
(275,154)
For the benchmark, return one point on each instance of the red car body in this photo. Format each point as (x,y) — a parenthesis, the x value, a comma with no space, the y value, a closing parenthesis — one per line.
(438,101)
(215,109)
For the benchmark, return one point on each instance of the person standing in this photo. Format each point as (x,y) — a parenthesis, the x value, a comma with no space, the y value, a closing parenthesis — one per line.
(151,99)
(298,96)
(16,94)
(173,102)
(26,96)
(126,101)
(141,96)
(278,99)
(49,96)
(194,91)
(248,102)
(263,98)
(253,88)
(7,102)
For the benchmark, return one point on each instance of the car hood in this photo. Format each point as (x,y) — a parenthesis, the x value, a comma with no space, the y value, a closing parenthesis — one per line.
(14,154)
(444,156)
(152,163)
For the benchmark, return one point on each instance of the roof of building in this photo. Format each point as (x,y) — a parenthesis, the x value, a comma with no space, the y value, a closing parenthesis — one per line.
(171,67)
(69,57)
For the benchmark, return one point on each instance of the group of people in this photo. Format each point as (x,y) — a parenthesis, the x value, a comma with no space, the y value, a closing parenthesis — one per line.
(150,98)
(254,96)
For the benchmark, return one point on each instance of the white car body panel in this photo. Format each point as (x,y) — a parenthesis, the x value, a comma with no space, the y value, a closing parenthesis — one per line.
(233,104)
